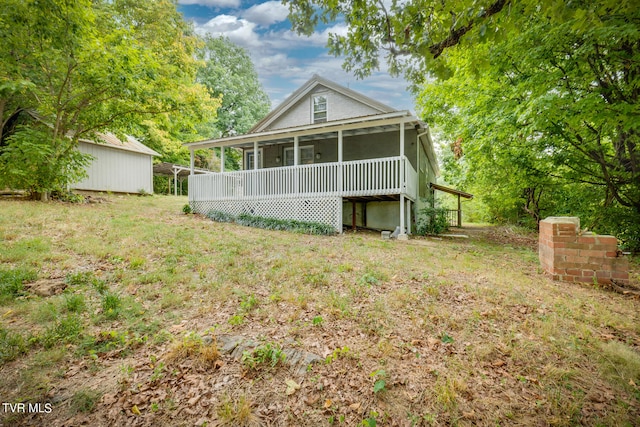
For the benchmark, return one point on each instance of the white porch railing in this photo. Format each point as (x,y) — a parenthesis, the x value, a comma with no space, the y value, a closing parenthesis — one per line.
(390,175)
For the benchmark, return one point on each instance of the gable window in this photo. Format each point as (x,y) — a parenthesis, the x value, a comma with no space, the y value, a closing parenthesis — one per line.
(319,109)
(306,155)
(249,159)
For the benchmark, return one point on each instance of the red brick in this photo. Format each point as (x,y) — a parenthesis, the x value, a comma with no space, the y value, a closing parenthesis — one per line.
(603,273)
(587,273)
(607,240)
(567,251)
(612,254)
(620,275)
(590,253)
(584,279)
(587,239)
(577,259)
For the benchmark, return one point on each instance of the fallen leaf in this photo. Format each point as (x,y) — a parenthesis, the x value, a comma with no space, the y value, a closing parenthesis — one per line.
(499,363)
(292,386)
(135,410)
(354,406)
(327,404)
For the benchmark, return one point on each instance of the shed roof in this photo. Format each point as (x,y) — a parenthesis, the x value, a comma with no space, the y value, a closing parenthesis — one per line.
(112,141)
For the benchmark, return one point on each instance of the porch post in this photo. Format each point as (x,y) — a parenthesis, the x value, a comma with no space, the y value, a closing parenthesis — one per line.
(340,158)
(255,155)
(403,233)
(221,159)
(459,212)
(296,155)
(192,162)
(408,216)
(340,155)
(175,181)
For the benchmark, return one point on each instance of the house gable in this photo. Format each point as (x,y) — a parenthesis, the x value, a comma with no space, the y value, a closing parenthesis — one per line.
(341,103)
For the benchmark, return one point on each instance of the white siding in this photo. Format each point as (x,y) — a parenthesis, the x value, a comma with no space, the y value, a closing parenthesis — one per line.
(339,107)
(116,170)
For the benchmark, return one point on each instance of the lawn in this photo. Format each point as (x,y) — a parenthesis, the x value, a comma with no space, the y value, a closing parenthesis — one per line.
(129,312)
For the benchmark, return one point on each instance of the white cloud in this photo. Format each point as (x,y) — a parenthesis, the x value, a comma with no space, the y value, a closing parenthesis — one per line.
(267,13)
(239,31)
(213,3)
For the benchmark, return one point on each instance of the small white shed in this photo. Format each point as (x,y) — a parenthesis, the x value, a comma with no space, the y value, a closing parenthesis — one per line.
(118,166)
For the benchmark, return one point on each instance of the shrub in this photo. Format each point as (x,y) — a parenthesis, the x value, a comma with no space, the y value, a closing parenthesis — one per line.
(305,227)
(220,216)
(186,209)
(432,219)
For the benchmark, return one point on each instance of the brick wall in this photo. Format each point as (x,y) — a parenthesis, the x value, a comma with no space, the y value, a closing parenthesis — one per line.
(567,254)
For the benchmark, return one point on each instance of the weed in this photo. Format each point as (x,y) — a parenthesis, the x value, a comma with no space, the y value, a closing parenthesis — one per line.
(80,278)
(317,321)
(446,338)
(66,330)
(74,303)
(111,305)
(237,412)
(12,282)
(379,376)
(264,354)
(84,400)
(340,353)
(186,209)
(158,372)
(136,263)
(12,345)
(203,350)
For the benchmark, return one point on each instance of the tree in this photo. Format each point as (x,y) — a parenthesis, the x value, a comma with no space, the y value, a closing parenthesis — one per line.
(228,73)
(84,66)
(543,94)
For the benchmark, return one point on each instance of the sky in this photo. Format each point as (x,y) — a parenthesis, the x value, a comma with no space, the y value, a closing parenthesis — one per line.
(284,60)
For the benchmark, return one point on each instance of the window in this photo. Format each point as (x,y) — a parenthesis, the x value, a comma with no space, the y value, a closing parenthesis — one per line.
(305,155)
(319,109)
(249,159)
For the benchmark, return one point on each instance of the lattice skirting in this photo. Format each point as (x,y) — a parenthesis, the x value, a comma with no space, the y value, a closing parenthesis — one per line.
(326,210)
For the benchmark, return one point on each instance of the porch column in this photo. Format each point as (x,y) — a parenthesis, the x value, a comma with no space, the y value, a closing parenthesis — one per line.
(175,181)
(401,139)
(221,159)
(408,212)
(192,162)
(340,158)
(296,154)
(403,234)
(459,212)
(255,155)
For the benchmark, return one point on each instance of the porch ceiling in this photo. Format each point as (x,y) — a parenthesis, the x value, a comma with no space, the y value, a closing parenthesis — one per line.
(356,126)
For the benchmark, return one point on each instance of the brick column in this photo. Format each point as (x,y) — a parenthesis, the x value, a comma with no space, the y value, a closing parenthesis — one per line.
(569,255)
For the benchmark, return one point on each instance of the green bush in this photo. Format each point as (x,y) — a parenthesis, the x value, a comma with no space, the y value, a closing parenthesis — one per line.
(249,220)
(432,220)
(219,216)
(186,209)
(66,330)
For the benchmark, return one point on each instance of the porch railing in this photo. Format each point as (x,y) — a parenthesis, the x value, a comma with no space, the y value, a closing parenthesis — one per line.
(390,175)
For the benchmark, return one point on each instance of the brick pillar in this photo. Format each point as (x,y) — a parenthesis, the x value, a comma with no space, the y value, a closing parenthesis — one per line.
(569,255)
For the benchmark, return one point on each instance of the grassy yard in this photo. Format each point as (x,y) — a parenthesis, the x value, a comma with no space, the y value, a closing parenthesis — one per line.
(126,313)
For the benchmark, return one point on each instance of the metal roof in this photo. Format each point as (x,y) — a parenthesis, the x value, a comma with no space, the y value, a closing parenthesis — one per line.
(109,139)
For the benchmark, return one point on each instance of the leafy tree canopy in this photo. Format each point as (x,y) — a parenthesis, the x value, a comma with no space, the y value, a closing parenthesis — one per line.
(86,66)
(540,99)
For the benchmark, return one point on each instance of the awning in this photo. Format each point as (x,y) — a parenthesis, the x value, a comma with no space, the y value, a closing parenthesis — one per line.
(451,191)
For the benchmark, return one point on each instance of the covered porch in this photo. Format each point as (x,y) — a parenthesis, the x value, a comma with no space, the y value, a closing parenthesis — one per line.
(315,188)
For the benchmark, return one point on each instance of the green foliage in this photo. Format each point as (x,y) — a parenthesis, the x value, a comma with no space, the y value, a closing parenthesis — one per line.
(380,382)
(66,330)
(228,73)
(87,66)
(12,282)
(285,225)
(111,305)
(432,219)
(12,345)
(264,354)
(186,209)
(249,220)
(75,303)
(219,216)
(84,401)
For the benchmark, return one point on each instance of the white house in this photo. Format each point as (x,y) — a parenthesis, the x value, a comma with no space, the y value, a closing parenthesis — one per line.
(118,166)
(326,154)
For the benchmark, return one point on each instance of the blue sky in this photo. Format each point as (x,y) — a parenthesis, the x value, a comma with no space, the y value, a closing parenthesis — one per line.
(284,60)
